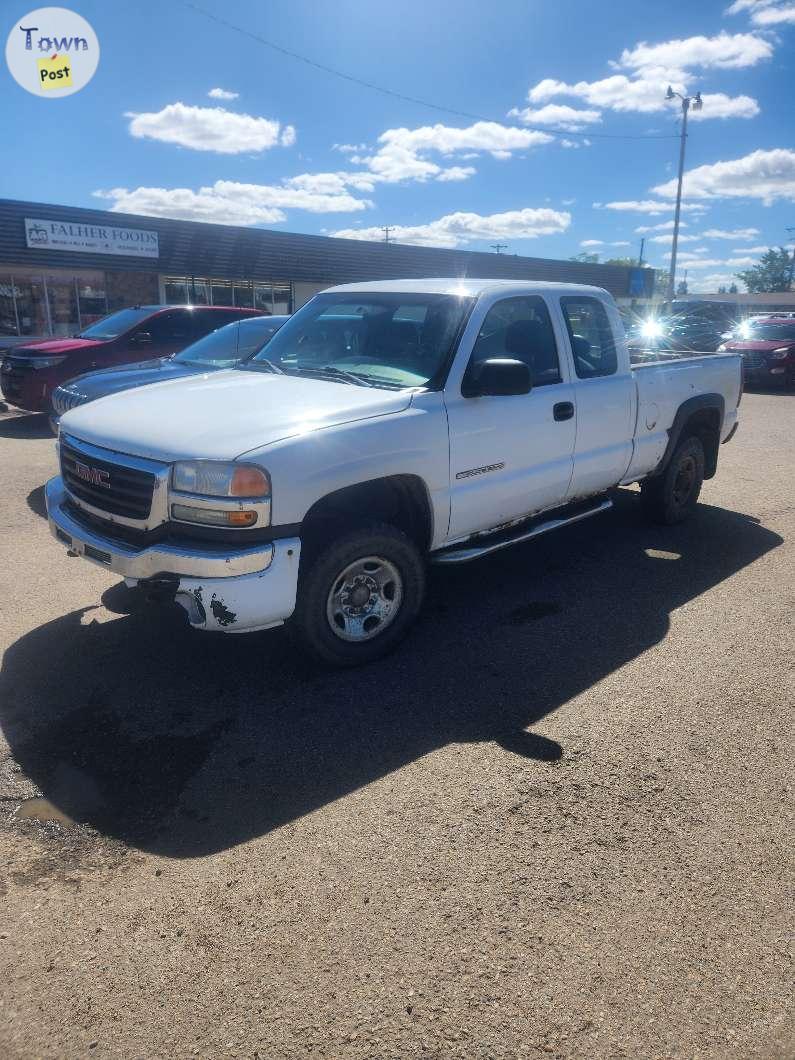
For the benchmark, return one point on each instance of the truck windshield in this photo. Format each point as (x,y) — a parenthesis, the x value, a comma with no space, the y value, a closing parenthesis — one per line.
(380,339)
(110,327)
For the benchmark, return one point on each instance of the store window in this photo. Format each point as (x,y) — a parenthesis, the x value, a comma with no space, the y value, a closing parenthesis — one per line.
(245,294)
(8,313)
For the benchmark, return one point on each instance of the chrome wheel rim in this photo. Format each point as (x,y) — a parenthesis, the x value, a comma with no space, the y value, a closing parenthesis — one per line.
(364,599)
(684,481)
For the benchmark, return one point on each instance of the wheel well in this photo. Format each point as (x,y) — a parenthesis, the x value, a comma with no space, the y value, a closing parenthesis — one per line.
(400,500)
(705,425)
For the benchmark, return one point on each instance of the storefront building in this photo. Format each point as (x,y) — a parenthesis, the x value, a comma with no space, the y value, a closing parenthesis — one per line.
(63,267)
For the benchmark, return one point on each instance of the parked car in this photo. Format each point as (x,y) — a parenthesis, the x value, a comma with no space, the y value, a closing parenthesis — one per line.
(30,373)
(223,348)
(384,425)
(768,351)
(675,335)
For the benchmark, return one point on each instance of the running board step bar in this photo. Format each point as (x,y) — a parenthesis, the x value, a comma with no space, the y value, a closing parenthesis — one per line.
(465,553)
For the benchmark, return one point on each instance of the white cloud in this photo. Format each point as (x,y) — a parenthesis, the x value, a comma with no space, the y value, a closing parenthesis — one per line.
(349,149)
(585,142)
(723,233)
(710,284)
(570,118)
(231,202)
(765,12)
(724,51)
(765,175)
(402,153)
(646,206)
(456,173)
(663,226)
(592,242)
(208,129)
(761,249)
(456,229)
(621,243)
(287,137)
(719,105)
(652,66)
(668,238)
(222,93)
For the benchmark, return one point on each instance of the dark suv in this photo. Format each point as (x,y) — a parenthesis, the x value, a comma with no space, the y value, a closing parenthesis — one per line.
(31,372)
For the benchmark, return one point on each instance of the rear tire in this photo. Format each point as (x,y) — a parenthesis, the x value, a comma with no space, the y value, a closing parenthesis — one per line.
(670,498)
(359,596)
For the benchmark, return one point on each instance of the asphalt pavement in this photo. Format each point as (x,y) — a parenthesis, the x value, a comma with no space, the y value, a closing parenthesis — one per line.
(557,821)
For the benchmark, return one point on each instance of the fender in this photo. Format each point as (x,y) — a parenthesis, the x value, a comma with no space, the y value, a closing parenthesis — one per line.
(685,412)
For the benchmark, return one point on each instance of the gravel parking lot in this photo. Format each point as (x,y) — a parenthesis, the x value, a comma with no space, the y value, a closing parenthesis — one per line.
(557,821)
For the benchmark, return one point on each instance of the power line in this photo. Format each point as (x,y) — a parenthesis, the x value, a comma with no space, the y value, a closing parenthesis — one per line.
(498,247)
(386,229)
(551,129)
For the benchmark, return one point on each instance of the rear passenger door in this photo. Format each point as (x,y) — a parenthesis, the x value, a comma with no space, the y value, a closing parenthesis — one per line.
(511,456)
(604,396)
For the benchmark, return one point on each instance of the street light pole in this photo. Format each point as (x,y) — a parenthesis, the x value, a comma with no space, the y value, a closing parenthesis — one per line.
(697,104)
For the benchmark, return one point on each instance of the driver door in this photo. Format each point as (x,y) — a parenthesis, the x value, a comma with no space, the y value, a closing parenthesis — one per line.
(512,456)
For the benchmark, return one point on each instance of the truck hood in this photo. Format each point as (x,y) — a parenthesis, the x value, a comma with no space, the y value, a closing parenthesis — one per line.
(224,414)
(52,346)
(759,345)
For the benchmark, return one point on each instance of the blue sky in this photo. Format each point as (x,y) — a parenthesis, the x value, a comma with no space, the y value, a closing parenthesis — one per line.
(297,149)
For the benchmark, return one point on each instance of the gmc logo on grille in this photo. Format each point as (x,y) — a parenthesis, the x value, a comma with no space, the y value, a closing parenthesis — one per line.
(92,474)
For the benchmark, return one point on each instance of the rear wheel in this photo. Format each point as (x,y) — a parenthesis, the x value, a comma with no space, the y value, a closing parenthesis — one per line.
(671,497)
(359,596)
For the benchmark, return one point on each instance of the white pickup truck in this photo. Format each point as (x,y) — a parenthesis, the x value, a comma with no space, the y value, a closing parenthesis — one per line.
(386,424)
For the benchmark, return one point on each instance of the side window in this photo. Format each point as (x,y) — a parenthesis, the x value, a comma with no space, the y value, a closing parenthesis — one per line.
(207,320)
(170,327)
(520,328)
(592,342)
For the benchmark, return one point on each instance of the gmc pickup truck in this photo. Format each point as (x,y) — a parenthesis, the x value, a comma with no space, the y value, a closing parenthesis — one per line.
(385,425)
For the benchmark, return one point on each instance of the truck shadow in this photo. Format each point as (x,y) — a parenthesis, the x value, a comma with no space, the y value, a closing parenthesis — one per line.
(184,743)
(26,425)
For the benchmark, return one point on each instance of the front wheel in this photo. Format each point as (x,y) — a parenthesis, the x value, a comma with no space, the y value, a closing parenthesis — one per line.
(671,497)
(359,596)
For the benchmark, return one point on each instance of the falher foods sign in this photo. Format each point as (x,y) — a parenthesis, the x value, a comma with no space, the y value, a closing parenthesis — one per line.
(43,234)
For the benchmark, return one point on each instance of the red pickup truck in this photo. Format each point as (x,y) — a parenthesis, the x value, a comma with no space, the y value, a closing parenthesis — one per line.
(30,373)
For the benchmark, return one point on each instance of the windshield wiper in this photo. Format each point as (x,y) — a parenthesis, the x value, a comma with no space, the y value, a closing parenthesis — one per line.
(336,373)
(255,363)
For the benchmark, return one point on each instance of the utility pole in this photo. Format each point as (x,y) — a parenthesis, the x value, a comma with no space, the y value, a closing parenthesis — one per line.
(697,105)
(640,252)
(498,247)
(791,232)
(386,229)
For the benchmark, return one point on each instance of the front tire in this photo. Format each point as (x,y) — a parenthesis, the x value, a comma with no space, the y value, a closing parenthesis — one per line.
(359,596)
(671,497)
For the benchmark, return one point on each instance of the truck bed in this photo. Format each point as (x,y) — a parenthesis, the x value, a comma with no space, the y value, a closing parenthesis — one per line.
(664,382)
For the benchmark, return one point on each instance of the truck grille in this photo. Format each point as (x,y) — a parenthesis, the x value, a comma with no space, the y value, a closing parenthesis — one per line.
(110,487)
(753,359)
(13,377)
(63,400)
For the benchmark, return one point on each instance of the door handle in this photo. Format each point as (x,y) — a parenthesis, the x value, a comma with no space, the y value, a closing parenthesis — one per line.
(563,410)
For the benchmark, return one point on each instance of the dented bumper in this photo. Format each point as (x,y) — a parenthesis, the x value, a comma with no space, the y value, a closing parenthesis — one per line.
(232,592)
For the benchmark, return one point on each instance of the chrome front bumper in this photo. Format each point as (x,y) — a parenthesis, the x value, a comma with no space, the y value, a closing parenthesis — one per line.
(192,562)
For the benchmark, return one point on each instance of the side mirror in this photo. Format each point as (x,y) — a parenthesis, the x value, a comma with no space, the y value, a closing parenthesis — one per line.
(143,338)
(497,377)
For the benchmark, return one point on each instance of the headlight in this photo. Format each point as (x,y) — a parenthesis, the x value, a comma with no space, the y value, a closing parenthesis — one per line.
(651,329)
(780,353)
(43,362)
(209,478)
(722,348)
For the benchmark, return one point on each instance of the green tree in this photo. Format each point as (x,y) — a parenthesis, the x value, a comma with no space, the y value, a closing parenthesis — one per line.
(631,262)
(681,288)
(586,259)
(773,273)
(732,288)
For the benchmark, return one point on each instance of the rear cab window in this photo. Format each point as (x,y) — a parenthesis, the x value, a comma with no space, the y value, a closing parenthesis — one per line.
(593,344)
